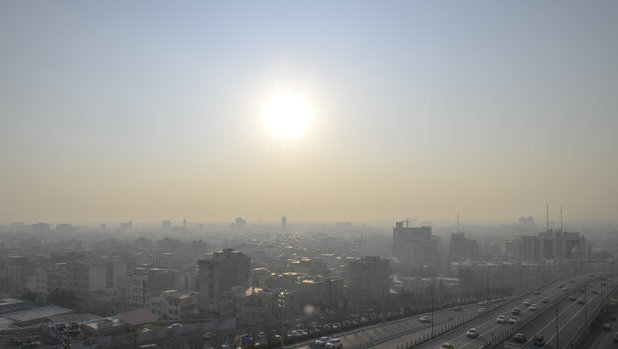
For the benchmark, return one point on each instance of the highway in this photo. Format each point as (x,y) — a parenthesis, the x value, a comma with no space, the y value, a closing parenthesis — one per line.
(367,336)
(410,331)
(571,317)
(486,324)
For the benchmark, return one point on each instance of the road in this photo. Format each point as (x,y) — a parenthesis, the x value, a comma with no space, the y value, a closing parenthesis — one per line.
(486,323)
(377,333)
(398,333)
(571,317)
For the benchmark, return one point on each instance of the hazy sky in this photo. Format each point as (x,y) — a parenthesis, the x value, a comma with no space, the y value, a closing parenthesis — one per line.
(150,110)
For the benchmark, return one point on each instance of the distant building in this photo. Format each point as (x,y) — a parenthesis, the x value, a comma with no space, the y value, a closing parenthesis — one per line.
(136,289)
(217,274)
(166,225)
(239,222)
(552,244)
(173,304)
(126,225)
(526,220)
(64,228)
(85,278)
(368,279)
(41,228)
(415,247)
(462,248)
(284,223)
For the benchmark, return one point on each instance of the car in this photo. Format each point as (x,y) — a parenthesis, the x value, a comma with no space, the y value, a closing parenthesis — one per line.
(209,335)
(572,298)
(615,336)
(512,320)
(612,317)
(322,342)
(545,300)
(537,292)
(582,290)
(472,333)
(595,292)
(516,311)
(538,340)
(334,343)
(519,337)
(424,318)
(532,307)
(501,319)
(603,283)
(607,327)
(457,308)
(481,310)
(580,301)
(565,288)
(447,346)
(527,303)
(174,325)
(561,285)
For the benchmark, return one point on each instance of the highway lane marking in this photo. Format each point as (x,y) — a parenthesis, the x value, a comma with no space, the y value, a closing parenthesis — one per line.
(560,314)
(529,312)
(569,321)
(507,304)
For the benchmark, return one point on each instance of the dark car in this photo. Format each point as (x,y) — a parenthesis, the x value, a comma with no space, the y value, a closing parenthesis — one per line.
(519,337)
(612,317)
(516,311)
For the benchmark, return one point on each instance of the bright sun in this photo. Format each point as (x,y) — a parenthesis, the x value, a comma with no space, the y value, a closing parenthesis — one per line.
(287,115)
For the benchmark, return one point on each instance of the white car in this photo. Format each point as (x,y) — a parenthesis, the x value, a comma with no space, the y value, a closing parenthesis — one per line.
(174,325)
(424,318)
(532,307)
(472,333)
(527,303)
(501,319)
(513,320)
(322,342)
(481,310)
(334,343)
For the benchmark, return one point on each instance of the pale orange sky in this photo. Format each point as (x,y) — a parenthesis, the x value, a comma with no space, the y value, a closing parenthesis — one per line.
(112,113)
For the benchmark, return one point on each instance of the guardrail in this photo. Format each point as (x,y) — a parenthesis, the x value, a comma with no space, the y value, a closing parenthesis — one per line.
(508,332)
(583,332)
(449,327)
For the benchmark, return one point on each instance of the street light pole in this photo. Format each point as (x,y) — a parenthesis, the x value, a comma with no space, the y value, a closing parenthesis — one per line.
(521,279)
(585,304)
(432,292)
(556,321)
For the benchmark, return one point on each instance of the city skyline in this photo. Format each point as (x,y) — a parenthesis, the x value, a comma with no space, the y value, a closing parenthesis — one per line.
(126,111)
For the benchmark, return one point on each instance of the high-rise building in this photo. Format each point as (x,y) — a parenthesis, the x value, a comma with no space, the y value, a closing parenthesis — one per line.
(368,279)
(41,228)
(415,247)
(217,274)
(552,244)
(284,222)
(239,222)
(166,225)
(462,248)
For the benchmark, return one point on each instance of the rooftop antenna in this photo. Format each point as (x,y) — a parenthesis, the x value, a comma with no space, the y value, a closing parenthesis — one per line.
(458,222)
(547,224)
(561,219)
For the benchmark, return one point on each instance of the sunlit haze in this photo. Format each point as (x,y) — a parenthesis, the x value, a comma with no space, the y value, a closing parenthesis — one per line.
(319,110)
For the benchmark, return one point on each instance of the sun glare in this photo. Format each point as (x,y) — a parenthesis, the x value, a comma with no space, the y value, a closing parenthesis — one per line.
(287,115)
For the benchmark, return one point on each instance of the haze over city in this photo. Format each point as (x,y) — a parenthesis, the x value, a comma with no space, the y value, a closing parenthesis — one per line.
(126,111)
